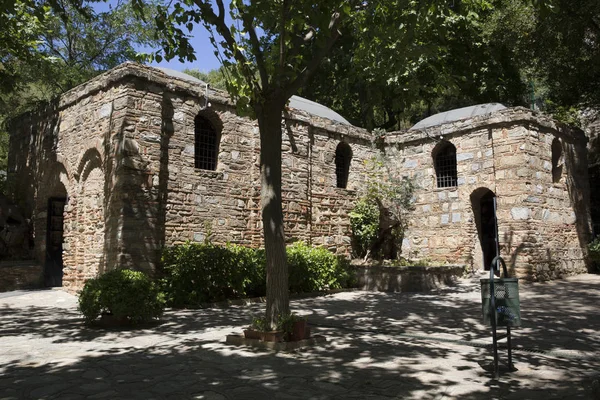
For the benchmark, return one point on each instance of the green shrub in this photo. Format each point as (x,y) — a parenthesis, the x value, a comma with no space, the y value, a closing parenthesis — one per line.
(123,293)
(313,269)
(364,220)
(198,273)
(594,248)
(383,195)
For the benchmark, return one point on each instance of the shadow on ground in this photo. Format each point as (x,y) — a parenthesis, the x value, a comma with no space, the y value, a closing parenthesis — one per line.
(370,352)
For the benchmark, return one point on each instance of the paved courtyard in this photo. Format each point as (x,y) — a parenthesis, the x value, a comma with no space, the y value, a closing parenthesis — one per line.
(380,346)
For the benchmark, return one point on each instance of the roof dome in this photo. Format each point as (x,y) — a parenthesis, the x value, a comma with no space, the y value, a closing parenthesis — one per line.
(297,102)
(458,114)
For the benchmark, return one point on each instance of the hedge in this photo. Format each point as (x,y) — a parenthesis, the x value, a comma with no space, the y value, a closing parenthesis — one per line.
(196,273)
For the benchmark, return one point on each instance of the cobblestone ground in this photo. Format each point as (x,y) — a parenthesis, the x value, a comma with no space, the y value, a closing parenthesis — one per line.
(380,346)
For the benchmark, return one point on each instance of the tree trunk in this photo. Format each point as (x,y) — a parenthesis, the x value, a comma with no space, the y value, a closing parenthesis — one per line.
(269,123)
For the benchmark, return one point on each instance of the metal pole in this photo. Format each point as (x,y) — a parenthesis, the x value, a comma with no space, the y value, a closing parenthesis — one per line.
(493,319)
(496,238)
(510,364)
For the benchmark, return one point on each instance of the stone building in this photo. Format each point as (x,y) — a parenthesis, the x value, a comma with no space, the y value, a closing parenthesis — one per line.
(139,158)
(528,170)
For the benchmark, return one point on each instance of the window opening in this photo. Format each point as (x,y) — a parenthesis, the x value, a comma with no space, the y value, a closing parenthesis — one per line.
(445,166)
(206,147)
(557,160)
(343,155)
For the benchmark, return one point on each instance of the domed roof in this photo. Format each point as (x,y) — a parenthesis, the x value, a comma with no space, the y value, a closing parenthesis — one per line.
(297,102)
(458,114)
(317,109)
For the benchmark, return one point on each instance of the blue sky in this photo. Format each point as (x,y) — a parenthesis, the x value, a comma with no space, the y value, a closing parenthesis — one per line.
(205,57)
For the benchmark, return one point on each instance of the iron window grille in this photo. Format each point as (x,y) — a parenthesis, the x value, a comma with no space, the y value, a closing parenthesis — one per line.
(343,155)
(445,167)
(206,146)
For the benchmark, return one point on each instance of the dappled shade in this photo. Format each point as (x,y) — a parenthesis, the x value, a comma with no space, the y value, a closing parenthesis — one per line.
(396,345)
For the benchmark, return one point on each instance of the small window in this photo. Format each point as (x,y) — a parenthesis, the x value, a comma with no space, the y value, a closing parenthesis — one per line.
(557,160)
(206,148)
(445,165)
(343,155)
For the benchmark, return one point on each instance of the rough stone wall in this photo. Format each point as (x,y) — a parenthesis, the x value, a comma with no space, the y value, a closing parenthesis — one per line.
(541,227)
(83,136)
(316,209)
(35,175)
(557,206)
(60,152)
(18,275)
(168,201)
(122,148)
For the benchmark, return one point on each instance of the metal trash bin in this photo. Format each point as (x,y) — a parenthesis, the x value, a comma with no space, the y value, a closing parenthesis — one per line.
(508,306)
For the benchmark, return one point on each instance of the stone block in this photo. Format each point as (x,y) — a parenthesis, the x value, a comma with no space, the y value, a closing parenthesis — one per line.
(520,213)
(411,164)
(464,157)
(444,219)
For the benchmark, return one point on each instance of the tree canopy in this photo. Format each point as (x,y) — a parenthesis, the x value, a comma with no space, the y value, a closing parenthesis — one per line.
(48,47)
(567,50)
(68,44)
(510,51)
(397,66)
(271,49)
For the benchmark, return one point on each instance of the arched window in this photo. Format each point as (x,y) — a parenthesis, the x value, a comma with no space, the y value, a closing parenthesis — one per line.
(444,158)
(206,147)
(557,160)
(343,155)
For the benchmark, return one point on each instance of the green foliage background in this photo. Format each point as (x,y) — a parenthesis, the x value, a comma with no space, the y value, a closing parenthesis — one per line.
(395,194)
(47,48)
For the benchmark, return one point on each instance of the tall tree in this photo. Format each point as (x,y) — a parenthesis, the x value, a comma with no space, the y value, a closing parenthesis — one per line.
(47,47)
(73,42)
(83,42)
(270,49)
(568,50)
(394,67)
(214,77)
(22,23)
(555,45)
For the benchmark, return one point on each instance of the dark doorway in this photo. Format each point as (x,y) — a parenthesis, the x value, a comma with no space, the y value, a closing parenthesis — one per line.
(53,271)
(483,202)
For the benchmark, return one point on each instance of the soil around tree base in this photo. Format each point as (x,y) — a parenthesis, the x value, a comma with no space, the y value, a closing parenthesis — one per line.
(240,340)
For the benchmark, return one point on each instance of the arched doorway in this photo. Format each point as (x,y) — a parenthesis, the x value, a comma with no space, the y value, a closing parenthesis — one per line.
(483,203)
(53,267)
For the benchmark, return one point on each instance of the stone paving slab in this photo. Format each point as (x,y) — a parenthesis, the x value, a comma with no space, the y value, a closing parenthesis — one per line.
(380,346)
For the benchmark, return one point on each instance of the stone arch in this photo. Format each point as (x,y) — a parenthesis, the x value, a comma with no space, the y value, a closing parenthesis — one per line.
(483,204)
(444,161)
(65,164)
(60,179)
(88,159)
(51,228)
